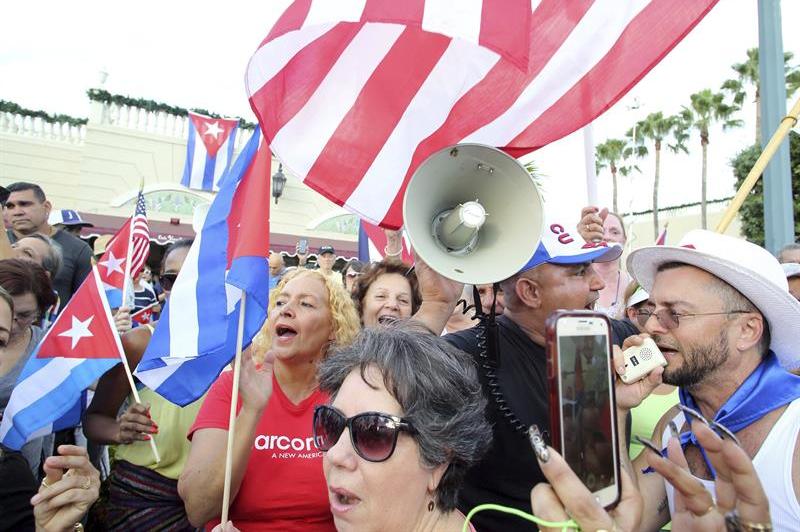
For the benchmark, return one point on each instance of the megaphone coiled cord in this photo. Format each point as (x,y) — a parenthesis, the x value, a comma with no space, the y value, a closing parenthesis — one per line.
(488,350)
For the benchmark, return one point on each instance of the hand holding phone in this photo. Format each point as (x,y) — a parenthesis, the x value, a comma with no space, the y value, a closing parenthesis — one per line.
(583,426)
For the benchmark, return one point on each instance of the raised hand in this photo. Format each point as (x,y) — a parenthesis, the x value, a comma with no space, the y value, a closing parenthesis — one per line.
(255,381)
(64,498)
(394,243)
(122,320)
(740,496)
(434,287)
(629,396)
(591,225)
(566,496)
(135,424)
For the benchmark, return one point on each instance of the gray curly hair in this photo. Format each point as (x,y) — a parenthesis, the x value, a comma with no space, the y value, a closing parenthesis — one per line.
(437,387)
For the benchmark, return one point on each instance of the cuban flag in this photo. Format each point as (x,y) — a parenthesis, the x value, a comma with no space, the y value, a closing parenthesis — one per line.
(111,267)
(209,151)
(79,347)
(192,345)
(143,316)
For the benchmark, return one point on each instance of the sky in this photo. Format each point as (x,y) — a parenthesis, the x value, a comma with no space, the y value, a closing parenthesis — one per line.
(194,54)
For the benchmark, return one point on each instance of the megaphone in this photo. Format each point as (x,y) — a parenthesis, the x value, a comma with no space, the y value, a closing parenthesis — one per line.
(473,214)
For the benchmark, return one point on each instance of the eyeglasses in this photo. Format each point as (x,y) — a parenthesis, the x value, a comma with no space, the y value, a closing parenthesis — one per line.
(167,280)
(671,320)
(373,434)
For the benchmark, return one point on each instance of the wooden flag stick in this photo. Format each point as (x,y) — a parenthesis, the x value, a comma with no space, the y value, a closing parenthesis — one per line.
(237,367)
(125,365)
(758,168)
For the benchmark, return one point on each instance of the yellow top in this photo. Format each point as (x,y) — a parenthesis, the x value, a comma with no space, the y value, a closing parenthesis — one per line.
(646,417)
(173,424)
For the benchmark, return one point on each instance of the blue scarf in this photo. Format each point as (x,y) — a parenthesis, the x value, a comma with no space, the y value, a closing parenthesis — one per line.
(767,388)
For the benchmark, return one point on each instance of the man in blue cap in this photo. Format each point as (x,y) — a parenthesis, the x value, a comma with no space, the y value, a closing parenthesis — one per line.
(560,275)
(68,220)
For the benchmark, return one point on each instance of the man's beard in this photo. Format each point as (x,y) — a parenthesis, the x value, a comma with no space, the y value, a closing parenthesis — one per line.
(698,362)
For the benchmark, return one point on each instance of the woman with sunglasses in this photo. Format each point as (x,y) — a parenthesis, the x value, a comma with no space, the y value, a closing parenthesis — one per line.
(645,416)
(142,493)
(398,441)
(386,291)
(277,481)
(352,270)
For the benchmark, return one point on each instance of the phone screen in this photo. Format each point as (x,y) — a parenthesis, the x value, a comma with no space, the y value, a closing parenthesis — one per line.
(588,438)
(302,246)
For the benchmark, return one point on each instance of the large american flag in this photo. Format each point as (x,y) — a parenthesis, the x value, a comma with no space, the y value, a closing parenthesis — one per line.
(353,95)
(140,237)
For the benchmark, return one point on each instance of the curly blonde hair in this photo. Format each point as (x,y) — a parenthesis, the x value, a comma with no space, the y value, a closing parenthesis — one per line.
(344,319)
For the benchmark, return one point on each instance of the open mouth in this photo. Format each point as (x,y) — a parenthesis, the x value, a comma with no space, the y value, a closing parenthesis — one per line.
(590,306)
(284,331)
(387,319)
(666,350)
(342,500)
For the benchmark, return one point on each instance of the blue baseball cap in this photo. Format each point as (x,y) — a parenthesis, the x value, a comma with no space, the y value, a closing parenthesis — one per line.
(67,217)
(559,246)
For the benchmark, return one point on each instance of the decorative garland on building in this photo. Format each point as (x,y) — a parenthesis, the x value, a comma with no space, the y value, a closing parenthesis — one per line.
(11,107)
(100,95)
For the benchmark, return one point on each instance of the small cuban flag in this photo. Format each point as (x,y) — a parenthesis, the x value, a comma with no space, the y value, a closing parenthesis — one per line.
(209,151)
(79,347)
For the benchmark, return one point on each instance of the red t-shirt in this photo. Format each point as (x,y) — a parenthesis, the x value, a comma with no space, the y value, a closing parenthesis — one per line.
(283,488)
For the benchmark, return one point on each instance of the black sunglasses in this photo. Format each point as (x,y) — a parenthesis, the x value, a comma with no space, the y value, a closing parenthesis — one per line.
(373,434)
(167,280)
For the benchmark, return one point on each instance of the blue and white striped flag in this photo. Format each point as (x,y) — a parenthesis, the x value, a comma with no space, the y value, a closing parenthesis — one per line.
(192,345)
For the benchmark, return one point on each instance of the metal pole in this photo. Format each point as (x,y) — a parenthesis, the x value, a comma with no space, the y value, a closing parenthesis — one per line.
(778,205)
(588,157)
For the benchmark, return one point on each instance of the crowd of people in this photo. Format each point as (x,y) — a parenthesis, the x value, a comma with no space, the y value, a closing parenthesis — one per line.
(365,402)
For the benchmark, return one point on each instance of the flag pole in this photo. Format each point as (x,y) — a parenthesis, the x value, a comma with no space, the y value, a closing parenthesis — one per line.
(758,168)
(237,366)
(125,365)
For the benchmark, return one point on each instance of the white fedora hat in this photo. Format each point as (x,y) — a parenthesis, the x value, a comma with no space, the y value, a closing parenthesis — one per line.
(749,268)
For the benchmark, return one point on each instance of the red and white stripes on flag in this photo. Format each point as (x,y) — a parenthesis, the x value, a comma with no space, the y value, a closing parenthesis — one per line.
(353,95)
(140,237)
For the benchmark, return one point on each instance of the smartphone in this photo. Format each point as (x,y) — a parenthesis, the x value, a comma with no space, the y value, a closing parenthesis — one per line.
(583,425)
(302,246)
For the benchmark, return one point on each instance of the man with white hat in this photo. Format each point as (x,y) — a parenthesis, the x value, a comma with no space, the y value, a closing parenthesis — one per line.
(728,327)
(560,275)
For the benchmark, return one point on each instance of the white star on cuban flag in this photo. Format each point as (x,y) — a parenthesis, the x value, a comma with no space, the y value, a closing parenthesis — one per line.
(112,264)
(213,129)
(79,329)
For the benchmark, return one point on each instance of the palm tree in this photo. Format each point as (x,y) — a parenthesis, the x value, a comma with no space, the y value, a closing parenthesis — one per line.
(614,153)
(706,108)
(657,128)
(747,76)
